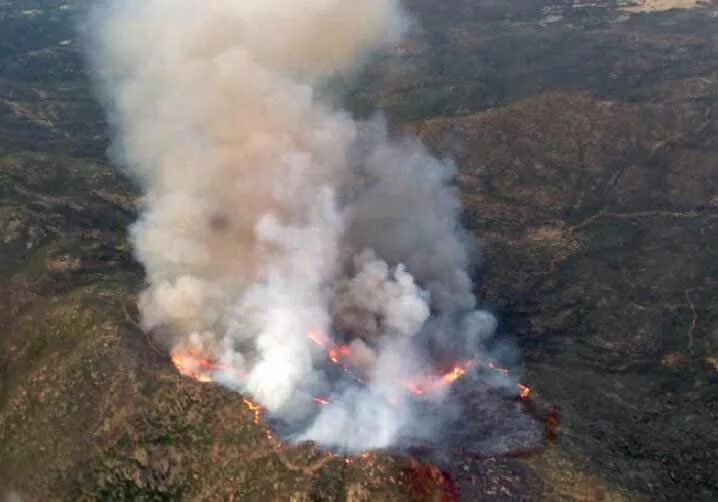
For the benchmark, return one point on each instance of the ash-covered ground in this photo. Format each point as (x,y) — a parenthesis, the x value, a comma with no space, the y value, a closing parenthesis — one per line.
(585,134)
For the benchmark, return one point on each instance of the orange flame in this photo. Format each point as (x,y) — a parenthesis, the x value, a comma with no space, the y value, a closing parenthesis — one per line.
(318,339)
(524,391)
(432,384)
(191,364)
(257,410)
(339,353)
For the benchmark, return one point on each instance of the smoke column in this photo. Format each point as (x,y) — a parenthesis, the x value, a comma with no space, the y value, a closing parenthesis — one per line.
(274,226)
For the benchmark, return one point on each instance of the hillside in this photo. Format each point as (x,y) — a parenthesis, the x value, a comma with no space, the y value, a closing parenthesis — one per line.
(586,137)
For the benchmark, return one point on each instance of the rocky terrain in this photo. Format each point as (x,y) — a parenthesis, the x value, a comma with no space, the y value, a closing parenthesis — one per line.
(587,139)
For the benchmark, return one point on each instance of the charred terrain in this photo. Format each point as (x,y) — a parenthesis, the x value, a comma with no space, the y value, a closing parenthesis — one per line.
(587,140)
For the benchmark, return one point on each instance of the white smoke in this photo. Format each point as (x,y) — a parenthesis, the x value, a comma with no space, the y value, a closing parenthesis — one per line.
(269,215)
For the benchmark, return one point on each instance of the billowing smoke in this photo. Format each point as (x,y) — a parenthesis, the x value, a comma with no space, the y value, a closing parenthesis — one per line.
(302,252)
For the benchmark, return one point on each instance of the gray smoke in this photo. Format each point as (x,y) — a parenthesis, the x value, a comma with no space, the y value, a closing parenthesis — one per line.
(271,219)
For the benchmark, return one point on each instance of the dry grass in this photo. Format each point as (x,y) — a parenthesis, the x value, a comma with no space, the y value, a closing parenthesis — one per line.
(661,5)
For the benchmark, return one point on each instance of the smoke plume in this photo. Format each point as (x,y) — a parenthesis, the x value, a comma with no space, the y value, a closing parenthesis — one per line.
(279,234)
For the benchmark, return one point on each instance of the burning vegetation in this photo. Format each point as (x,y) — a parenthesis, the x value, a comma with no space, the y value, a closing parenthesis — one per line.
(274,220)
(191,364)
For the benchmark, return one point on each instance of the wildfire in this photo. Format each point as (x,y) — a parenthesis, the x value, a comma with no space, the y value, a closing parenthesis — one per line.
(255,409)
(524,391)
(338,354)
(427,385)
(318,339)
(341,355)
(500,370)
(191,364)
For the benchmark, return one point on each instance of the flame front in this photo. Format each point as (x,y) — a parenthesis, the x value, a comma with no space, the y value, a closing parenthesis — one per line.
(191,364)
(341,356)
(433,384)
(338,354)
